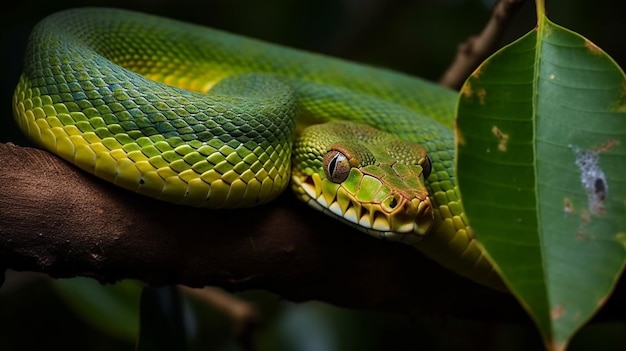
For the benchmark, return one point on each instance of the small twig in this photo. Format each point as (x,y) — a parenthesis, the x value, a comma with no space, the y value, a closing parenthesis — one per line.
(244,315)
(476,49)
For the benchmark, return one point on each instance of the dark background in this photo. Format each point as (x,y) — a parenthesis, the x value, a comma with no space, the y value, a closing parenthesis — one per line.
(416,37)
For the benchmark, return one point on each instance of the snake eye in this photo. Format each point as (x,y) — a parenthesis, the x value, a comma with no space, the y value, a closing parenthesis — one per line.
(427,167)
(336,166)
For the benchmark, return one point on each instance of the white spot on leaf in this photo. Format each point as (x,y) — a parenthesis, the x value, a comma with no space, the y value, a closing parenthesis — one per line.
(592,178)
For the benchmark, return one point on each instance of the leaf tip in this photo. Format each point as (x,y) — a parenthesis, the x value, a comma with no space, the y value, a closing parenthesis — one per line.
(557,312)
(556,345)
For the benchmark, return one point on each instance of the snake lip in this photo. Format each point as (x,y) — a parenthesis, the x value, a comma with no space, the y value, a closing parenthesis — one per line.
(426,216)
(396,218)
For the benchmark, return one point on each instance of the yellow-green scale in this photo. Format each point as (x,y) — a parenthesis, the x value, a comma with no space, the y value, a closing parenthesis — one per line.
(228,148)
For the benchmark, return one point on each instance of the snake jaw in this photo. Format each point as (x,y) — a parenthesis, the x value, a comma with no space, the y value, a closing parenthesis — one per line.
(425,212)
(396,218)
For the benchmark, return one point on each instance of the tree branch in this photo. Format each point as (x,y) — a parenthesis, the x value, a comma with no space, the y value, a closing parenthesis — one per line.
(63,222)
(477,48)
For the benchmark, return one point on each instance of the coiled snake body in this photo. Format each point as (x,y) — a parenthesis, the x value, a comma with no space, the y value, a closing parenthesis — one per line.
(200,117)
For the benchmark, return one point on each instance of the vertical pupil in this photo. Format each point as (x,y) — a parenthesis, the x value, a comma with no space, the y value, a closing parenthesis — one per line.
(427,168)
(332,165)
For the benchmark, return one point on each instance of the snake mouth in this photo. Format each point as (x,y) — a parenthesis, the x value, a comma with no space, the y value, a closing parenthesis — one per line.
(395,217)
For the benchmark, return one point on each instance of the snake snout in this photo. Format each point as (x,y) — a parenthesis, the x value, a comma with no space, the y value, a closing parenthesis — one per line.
(407,215)
(399,216)
(425,216)
(412,219)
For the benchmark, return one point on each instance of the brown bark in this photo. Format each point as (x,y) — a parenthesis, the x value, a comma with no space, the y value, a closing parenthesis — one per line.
(63,222)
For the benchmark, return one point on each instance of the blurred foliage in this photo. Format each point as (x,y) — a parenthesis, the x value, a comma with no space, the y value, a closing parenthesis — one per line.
(417,37)
(116,312)
(35,316)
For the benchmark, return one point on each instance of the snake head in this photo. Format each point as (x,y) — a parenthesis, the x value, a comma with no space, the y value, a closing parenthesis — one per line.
(367,178)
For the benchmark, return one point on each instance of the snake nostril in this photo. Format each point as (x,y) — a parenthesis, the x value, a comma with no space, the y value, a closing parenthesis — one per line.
(393,203)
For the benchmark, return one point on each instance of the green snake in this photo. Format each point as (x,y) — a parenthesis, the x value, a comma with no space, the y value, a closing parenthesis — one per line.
(201,117)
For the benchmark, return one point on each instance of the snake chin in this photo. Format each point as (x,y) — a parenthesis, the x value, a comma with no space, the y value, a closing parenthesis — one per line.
(407,222)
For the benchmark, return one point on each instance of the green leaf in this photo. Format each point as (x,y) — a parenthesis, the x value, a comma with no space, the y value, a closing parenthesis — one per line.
(113,309)
(542,171)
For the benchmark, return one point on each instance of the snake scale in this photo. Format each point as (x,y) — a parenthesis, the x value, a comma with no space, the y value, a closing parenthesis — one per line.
(201,117)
